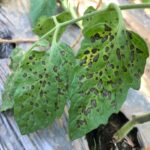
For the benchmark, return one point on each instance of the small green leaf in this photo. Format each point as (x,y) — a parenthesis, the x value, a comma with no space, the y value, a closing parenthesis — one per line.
(40,8)
(45,24)
(111,60)
(42,84)
(9,88)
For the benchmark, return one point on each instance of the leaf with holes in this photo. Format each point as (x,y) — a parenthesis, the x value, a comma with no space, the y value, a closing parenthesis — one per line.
(111,60)
(45,24)
(9,88)
(42,84)
(40,8)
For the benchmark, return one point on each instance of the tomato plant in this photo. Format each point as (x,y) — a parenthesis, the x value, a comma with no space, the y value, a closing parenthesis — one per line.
(111,59)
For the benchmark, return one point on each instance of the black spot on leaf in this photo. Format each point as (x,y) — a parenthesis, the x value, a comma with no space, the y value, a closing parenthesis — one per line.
(116,73)
(129,34)
(95,59)
(139,51)
(131,46)
(40,76)
(83,61)
(124,69)
(87,52)
(107,49)
(112,45)
(93,103)
(94,50)
(80,123)
(100,73)
(55,69)
(111,37)
(105,57)
(90,64)
(118,53)
(43,63)
(87,111)
(25,75)
(30,57)
(95,37)
(104,38)
(90,75)
(132,56)
(107,28)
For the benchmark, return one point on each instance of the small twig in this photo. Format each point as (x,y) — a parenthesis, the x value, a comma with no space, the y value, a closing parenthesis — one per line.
(76,40)
(121,133)
(27,40)
(99,4)
(77,9)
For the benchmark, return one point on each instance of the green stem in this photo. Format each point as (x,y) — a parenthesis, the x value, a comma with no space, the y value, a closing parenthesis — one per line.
(69,7)
(135,6)
(59,25)
(122,7)
(43,37)
(121,133)
(54,41)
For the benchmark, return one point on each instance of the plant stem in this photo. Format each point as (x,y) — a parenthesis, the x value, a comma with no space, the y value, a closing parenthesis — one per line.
(123,131)
(55,34)
(122,7)
(59,25)
(44,36)
(23,40)
(135,6)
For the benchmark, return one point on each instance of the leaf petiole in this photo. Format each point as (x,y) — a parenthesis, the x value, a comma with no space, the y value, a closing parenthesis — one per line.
(140,119)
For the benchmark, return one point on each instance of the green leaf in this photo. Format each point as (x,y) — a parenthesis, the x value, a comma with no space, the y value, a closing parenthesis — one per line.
(111,60)
(9,87)
(7,95)
(40,8)
(16,57)
(42,83)
(45,24)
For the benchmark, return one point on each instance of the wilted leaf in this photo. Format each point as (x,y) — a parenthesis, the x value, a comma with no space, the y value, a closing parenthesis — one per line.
(111,60)
(42,83)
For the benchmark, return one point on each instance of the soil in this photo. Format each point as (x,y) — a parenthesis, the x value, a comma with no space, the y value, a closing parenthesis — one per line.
(101,138)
